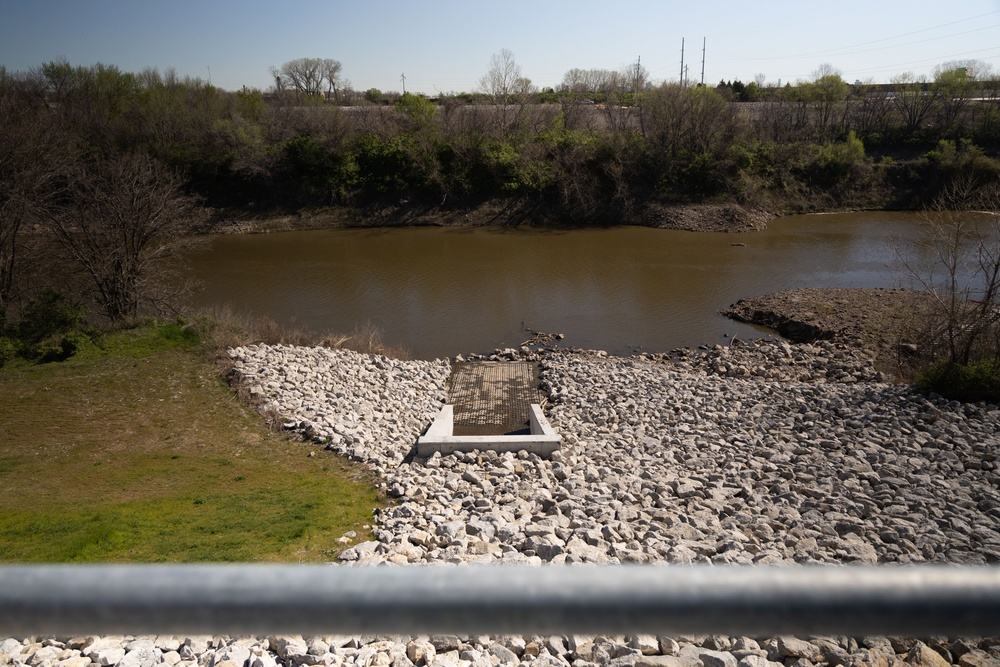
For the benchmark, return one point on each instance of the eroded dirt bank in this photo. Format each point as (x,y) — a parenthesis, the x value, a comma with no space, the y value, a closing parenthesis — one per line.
(495,213)
(877,320)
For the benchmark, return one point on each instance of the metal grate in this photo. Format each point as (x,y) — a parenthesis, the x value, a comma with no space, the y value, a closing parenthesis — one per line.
(492,397)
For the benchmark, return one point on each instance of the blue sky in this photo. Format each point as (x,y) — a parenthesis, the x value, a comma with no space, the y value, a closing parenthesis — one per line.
(445,45)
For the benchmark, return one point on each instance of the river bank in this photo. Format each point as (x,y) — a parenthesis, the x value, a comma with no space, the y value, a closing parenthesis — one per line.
(760,453)
(880,321)
(763,452)
(729,217)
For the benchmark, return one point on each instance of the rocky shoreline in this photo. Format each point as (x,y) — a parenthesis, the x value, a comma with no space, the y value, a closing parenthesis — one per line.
(877,320)
(762,452)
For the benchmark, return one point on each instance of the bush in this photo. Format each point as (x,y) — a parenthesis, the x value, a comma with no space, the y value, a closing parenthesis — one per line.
(64,348)
(9,349)
(178,334)
(972,382)
(382,164)
(49,314)
(49,329)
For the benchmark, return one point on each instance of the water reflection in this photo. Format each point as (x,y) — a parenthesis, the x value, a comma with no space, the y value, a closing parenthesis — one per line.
(441,292)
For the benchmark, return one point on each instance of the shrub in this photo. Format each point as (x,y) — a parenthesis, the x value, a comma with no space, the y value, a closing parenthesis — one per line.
(64,348)
(49,314)
(9,349)
(975,381)
(382,164)
(178,334)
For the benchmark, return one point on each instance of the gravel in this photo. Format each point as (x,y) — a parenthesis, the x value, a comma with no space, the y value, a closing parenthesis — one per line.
(763,452)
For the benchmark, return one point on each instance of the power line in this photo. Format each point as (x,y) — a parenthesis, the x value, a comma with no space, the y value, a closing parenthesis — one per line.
(842,51)
(927,60)
(907,34)
(896,68)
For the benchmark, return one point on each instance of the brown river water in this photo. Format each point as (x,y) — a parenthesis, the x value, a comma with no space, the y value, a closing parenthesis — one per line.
(445,291)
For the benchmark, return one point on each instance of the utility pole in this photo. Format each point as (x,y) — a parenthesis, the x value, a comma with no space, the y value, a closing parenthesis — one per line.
(635,95)
(402,77)
(682,62)
(210,76)
(703,41)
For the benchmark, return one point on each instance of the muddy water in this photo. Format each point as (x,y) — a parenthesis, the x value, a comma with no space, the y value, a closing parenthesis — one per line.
(441,292)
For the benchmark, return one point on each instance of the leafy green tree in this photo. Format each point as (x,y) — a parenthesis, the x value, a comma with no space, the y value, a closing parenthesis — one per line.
(250,104)
(316,173)
(751,93)
(418,108)
(827,92)
(955,86)
(383,166)
(49,314)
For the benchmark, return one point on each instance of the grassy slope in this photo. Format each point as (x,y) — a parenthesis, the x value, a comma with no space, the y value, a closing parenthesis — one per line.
(137,452)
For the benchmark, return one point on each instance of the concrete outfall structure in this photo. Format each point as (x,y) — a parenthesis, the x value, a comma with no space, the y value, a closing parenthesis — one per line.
(542,440)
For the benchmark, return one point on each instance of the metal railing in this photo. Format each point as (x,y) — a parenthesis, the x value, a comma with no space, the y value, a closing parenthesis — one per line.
(317,599)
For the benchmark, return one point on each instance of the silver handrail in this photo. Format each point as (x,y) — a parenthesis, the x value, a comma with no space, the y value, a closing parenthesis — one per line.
(318,599)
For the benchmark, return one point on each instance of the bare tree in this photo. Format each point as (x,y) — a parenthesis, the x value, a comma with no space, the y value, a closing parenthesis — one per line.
(331,74)
(502,79)
(120,220)
(506,88)
(913,98)
(31,152)
(575,81)
(308,76)
(961,243)
(869,111)
(631,78)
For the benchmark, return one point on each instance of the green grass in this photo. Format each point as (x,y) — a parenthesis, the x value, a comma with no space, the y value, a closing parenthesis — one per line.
(135,451)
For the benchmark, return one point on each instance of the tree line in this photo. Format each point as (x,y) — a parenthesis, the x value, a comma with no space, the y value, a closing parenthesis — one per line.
(103,171)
